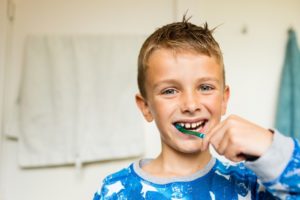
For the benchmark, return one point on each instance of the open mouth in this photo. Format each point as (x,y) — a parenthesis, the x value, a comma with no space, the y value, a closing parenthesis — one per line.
(194,126)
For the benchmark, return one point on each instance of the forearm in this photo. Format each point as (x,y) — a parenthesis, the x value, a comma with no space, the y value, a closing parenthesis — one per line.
(279,167)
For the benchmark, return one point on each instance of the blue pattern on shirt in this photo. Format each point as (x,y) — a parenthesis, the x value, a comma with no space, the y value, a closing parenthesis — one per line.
(223,182)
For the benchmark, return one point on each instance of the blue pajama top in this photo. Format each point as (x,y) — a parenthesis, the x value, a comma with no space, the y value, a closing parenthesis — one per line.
(275,175)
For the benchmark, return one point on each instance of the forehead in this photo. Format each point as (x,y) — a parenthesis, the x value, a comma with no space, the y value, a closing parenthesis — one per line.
(165,61)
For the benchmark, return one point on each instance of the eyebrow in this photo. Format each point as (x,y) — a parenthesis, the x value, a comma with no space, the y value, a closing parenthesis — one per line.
(167,81)
(209,79)
(174,81)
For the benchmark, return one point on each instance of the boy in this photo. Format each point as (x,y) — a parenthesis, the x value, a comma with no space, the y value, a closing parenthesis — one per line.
(181,81)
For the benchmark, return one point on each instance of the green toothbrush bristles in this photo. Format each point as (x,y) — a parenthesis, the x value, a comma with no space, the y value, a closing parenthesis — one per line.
(183,130)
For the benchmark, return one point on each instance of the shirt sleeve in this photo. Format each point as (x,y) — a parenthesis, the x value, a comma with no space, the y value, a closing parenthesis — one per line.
(97,195)
(279,168)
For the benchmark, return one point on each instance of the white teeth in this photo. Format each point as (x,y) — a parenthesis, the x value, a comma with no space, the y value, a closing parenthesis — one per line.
(192,125)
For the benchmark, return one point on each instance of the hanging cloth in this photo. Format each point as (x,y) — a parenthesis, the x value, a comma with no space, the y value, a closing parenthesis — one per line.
(77,100)
(288,107)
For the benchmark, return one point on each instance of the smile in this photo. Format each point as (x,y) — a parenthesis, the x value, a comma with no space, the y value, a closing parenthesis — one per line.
(192,126)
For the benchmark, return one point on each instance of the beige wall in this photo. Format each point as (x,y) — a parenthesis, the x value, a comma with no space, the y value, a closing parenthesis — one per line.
(253,61)
(2,62)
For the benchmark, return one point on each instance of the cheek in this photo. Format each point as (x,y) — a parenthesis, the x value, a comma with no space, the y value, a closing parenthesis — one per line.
(214,105)
(163,110)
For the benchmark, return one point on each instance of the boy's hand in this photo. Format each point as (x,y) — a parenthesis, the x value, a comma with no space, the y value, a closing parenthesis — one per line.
(234,137)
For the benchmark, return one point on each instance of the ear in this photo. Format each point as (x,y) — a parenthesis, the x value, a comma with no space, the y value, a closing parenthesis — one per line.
(225,99)
(144,107)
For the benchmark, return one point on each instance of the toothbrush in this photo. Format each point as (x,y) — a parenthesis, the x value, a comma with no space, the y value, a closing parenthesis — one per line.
(183,130)
(202,135)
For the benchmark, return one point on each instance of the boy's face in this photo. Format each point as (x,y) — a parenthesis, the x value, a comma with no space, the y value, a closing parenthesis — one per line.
(185,88)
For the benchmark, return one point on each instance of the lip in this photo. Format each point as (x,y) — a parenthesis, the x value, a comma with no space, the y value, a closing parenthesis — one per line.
(190,120)
(186,136)
(202,128)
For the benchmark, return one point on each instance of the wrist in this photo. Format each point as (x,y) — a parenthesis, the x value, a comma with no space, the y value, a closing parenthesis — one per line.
(277,156)
(267,140)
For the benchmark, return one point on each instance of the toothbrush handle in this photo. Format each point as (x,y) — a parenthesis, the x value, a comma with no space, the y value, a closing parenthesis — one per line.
(249,157)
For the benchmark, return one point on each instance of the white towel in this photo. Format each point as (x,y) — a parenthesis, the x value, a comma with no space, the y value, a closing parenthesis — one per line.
(77,100)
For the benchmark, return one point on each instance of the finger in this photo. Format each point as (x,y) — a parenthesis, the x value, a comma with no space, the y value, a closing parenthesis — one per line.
(212,134)
(215,128)
(223,145)
(212,130)
(209,134)
(234,154)
(217,134)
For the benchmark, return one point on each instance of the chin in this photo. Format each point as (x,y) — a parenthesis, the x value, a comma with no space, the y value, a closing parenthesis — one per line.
(190,150)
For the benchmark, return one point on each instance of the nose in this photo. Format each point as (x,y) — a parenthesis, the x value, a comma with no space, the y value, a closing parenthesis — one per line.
(190,102)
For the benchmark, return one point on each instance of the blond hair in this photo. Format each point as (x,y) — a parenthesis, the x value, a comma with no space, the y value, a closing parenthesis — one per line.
(178,36)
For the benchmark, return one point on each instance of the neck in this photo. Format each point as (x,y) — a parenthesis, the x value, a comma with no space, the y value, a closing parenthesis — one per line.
(171,163)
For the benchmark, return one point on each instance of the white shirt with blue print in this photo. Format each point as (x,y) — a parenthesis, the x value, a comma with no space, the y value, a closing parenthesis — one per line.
(275,175)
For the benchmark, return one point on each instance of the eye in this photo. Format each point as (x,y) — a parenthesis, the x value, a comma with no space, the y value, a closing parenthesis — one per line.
(206,88)
(169,91)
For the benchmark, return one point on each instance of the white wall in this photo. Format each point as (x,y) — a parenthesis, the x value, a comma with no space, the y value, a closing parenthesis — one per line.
(2,62)
(253,62)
